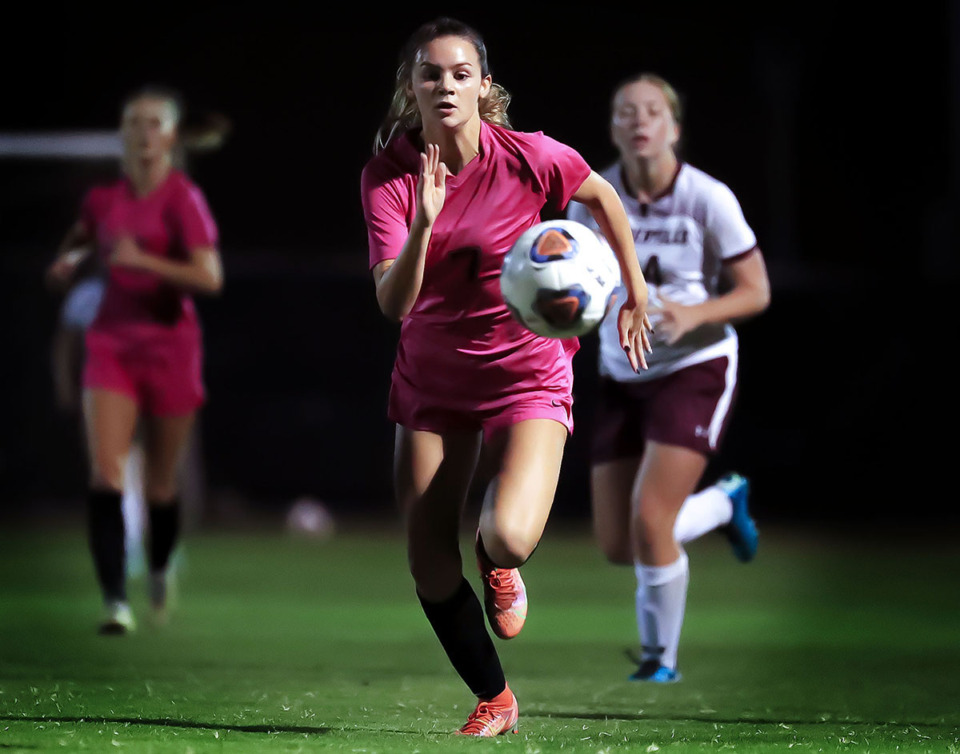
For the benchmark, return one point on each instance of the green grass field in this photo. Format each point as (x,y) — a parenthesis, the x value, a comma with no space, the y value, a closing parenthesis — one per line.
(824,643)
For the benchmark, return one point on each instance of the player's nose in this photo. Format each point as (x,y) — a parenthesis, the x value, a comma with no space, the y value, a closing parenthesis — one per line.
(446,82)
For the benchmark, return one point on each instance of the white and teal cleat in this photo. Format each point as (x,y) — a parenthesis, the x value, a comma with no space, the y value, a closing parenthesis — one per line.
(653,672)
(742,530)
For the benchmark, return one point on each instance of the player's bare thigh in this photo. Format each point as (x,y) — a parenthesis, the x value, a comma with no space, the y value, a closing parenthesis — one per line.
(519,497)
(612,485)
(110,419)
(668,475)
(432,475)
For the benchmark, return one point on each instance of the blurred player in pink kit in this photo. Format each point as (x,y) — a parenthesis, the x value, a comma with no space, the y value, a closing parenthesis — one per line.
(449,190)
(155,233)
(656,431)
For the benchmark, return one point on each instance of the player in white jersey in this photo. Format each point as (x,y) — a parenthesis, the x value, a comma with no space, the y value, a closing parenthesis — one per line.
(656,431)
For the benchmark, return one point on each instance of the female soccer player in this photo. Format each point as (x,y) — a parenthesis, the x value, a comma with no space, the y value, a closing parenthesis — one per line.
(155,232)
(448,191)
(657,430)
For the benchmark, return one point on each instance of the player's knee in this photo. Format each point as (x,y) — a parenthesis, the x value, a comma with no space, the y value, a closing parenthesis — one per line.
(651,523)
(616,549)
(161,493)
(160,483)
(106,472)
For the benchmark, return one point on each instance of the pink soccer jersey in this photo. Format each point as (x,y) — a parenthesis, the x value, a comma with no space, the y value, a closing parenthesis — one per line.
(460,349)
(145,341)
(170,221)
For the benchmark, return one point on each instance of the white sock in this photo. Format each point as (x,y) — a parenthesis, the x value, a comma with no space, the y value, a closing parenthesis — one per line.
(702,512)
(661,600)
(134,512)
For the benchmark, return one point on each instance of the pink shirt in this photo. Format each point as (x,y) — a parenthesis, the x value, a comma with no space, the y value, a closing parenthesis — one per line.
(459,343)
(169,222)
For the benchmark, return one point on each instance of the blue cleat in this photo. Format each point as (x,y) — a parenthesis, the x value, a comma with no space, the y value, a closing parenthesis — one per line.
(653,672)
(742,530)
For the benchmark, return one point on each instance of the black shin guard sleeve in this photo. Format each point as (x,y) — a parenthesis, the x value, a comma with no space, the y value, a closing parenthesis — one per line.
(164,531)
(460,625)
(106,537)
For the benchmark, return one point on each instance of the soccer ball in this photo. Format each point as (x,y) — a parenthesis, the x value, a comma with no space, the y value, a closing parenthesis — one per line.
(309,517)
(558,279)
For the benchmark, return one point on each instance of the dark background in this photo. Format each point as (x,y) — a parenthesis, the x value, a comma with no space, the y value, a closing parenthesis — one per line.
(838,131)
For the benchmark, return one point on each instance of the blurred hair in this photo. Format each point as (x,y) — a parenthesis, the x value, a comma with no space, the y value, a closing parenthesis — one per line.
(155,92)
(204,136)
(669,93)
(404,114)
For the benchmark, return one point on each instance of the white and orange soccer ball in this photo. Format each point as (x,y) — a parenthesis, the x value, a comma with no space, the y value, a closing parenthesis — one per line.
(558,279)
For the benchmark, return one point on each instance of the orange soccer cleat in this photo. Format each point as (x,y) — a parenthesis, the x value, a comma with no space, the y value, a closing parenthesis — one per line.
(504,596)
(492,718)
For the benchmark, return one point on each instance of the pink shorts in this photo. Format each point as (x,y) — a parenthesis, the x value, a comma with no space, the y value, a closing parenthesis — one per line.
(162,374)
(414,411)
(689,408)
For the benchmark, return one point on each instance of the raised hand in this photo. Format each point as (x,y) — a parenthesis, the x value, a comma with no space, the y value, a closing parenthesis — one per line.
(62,270)
(676,319)
(432,186)
(126,253)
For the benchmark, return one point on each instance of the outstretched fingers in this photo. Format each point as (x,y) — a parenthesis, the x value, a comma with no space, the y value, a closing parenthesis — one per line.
(635,340)
(645,332)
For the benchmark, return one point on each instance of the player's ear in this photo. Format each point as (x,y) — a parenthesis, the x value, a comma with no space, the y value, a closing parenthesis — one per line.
(485,83)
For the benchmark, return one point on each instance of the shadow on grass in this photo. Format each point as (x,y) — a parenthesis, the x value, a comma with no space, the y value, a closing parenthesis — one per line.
(639,717)
(197,725)
(192,724)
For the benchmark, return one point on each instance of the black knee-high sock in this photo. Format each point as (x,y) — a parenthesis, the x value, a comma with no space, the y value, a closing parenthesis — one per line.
(164,529)
(106,536)
(459,624)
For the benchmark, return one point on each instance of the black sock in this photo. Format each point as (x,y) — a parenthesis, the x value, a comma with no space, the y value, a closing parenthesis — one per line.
(460,625)
(106,537)
(164,529)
